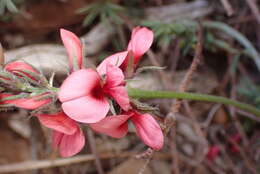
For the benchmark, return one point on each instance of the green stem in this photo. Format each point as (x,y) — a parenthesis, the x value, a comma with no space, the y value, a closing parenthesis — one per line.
(145,94)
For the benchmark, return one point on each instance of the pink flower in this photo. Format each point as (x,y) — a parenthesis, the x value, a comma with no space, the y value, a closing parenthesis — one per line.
(115,59)
(84,94)
(74,48)
(67,135)
(25,103)
(141,41)
(20,67)
(236,138)
(146,127)
(213,152)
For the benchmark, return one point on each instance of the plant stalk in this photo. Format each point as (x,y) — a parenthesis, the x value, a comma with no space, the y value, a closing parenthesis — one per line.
(145,94)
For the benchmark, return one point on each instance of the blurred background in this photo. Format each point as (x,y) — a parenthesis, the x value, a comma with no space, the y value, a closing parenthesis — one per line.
(209,137)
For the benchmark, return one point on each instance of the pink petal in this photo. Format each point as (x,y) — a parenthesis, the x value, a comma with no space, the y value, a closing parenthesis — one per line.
(59,122)
(148,130)
(2,96)
(141,41)
(78,84)
(19,66)
(68,145)
(114,76)
(213,152)
(73,47)
(120,95)
(27,103)
(115,59)
(31,103)
(87,109)
(114,126)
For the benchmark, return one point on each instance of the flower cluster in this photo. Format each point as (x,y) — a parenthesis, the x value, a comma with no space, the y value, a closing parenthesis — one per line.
(27,73)
(87,94)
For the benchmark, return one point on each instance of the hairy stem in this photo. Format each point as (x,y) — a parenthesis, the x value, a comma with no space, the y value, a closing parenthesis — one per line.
(145,94)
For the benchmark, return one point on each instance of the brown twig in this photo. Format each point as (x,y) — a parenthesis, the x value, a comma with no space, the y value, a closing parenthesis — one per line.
(198,129)
(210,116)
(248,162)
(173,146)
(48,163)
(175,55)
(229,9)
(213,167)
(169,122)
(184,84)
(202,147)
(248,115)
(253,6)
(228,161)
(2,58)
(92,144)
(147,161)
(233,109)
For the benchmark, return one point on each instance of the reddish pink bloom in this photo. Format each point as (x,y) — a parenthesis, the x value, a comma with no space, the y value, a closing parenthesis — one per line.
(141,41)
(146,127)
(237,138)
(67,136)
(25,103)
(17,67)
(73,47)
(84,94)
(115,59)
(213,152)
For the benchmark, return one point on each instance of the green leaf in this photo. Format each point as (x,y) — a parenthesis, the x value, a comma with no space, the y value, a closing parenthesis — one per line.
(115,7)
(90,18)
(103,9)
(11,7)
(87,9)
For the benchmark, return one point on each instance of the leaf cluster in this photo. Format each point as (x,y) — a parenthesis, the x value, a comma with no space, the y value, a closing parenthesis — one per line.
(165,32)
(8,5)
(106,10)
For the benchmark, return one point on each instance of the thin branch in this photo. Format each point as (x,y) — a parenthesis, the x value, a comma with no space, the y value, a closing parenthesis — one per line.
(253,6)
(248,115)
(210,116)
(184,84)
(92,143)
(2,58)
(170,123)
(229,9)
(248,162)
(49,163)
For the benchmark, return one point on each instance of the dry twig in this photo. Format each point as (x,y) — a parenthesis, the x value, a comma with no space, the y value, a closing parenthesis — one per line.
(248,162)
(228,7)
(253,6)
(2,60)
(92,143)
(41,164)
(169,122)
